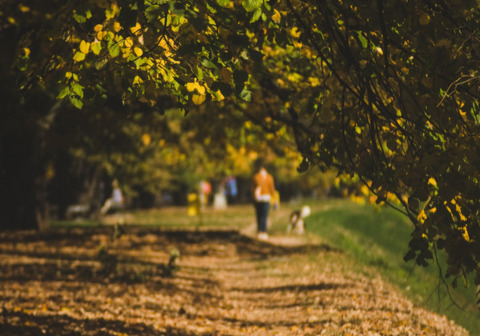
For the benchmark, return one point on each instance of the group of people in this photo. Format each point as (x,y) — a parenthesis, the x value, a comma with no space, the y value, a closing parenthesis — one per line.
(226,192)
(262,188)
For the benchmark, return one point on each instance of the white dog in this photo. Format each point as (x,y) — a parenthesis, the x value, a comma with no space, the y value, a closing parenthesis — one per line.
(297,220)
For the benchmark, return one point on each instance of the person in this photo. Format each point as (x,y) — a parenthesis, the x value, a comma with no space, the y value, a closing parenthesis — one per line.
(263,190)
(231,189)
(114,202)
(204,190)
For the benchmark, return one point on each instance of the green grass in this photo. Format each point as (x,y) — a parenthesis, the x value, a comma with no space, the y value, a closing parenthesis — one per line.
(378,239)
(235,218)
(74,223)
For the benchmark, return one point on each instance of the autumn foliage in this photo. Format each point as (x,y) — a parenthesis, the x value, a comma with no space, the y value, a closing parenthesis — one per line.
(384,90)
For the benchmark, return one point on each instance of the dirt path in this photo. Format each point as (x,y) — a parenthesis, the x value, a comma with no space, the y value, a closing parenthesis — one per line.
(226,283)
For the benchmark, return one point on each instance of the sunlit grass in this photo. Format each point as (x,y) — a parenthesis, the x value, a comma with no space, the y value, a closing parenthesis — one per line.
(379,240)
(234,217)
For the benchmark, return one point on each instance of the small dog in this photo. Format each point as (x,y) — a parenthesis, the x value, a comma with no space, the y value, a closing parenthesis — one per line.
(297,220)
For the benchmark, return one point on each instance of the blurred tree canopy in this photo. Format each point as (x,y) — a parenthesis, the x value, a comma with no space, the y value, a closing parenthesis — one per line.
(384,90)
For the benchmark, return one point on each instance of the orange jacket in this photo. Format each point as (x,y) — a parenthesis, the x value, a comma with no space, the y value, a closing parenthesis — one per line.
(265,184)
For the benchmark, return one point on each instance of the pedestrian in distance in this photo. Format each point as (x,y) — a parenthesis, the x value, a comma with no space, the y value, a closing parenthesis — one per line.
(263,189)
(115,202)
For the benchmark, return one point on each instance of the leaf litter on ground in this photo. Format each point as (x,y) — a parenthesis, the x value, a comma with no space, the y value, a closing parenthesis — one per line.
(224,283)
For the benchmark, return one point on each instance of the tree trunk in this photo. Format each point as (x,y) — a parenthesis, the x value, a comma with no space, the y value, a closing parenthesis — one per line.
(17,173)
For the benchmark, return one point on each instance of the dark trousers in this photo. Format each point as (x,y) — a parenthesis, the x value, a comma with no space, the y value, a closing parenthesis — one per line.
(261,210)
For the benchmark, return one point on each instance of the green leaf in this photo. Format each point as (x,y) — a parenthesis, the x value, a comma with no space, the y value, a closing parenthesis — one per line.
(251,5)
(65,92)
(256,15)
(199,74)
(154,13)
(113,48)
(76,101)
(211,9)
(79,18)
(223,3)
(82,14)
(101,63)
(362,39)
(77,89)
(96,48)
(208,64)
(246,95)
(79,56)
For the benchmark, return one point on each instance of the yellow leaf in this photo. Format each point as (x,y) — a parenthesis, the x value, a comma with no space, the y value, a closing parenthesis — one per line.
(163,43)
(26,51)
(138,51)
(79,56)
(137,80)
(136,28)
(84,47)
(421,216)
(198,99)
(146,139)
(314,81)
(432,181)
(200,89)
(191,86)
(364,189)
(459,210)
(23,8)
(98,28)
(116,26)
(126,52)
(276,16)
(112,11)
(101,34)
(465,233)
(294,32)
(128,42)
(218,95)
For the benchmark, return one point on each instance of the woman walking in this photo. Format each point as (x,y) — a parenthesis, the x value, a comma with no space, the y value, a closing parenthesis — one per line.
(263,189)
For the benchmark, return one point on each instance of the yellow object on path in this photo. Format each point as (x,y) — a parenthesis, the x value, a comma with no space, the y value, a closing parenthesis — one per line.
(193,205)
